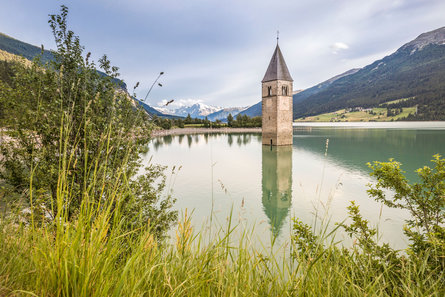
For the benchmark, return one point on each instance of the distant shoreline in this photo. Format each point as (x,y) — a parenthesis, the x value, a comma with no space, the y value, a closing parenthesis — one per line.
(181,131)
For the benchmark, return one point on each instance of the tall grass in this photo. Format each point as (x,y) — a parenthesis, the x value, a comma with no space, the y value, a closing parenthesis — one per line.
(96,254)
(88,258)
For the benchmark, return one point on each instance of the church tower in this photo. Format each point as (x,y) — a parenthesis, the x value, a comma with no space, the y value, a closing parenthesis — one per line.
(277,102)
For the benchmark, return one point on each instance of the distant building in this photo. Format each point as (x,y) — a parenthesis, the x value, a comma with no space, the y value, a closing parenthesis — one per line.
(277,102)
(358,108)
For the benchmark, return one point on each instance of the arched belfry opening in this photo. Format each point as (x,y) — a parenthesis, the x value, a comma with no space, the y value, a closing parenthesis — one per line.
(284,90)
(277,102)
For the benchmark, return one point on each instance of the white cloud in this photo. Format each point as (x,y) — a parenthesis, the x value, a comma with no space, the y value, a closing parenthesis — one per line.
(338,46)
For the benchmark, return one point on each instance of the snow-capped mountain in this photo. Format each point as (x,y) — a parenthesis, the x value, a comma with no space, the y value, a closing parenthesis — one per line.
(201,110)
(224,113)
(197,110)
(163,110)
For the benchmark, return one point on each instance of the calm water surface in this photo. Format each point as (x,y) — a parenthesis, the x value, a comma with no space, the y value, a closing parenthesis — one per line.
(264,187)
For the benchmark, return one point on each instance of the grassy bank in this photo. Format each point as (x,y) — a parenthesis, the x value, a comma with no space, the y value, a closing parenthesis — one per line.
(88,258)
(97,254)
(376,114)
(182,131)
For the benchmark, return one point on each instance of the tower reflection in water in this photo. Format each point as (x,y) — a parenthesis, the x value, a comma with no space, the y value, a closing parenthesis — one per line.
(277,184)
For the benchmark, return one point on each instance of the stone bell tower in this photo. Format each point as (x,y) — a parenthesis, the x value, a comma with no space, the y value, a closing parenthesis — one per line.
(277,102)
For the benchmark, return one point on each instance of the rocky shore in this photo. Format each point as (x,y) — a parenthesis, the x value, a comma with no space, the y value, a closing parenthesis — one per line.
(180,131)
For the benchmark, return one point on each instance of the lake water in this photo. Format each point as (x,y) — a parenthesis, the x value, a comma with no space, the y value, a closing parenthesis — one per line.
(313,179)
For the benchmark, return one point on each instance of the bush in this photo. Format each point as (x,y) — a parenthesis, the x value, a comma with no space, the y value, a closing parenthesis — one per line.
(62,116)
(425,201)
(377,268)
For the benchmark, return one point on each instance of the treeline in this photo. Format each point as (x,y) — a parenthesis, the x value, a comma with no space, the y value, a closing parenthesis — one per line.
(204,122)
(241,121)
(168,123)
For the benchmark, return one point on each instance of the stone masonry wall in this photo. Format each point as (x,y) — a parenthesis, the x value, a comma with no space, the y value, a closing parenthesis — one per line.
(277,113)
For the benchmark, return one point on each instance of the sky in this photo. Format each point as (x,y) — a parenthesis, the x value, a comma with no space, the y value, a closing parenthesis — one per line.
(216,52)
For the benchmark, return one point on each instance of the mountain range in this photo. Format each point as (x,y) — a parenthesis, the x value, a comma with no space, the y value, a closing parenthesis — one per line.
(416,70)
(200,110)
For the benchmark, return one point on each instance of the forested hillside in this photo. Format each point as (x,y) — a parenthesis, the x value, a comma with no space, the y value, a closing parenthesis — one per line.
(406,73)
(23,49)
(29,52)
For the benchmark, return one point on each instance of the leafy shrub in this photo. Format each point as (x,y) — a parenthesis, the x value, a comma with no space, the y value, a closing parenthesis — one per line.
(66,108)
(369,263)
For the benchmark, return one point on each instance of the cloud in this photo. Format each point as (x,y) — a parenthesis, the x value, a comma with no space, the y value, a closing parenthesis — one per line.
(339,46)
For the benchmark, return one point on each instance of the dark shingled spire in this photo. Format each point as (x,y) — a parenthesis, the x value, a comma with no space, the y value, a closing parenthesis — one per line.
(277,69)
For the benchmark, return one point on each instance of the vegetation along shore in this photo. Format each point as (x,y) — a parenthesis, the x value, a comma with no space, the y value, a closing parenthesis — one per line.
(180,131)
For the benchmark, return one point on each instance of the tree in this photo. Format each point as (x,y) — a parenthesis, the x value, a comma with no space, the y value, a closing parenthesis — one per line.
(217,124)
(230,120)
(180,123)
(166,124)
(206,122)
(188,119)
(65,117)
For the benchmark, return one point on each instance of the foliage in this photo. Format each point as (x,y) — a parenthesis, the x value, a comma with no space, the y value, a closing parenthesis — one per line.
(425,201)
(6,72)
(166,124)
(163,123)
(244,121)
(230,120)
(369,263)
(86,257)
(67,108)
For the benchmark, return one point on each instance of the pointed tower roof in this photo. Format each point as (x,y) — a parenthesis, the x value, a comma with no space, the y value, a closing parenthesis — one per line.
(277,69)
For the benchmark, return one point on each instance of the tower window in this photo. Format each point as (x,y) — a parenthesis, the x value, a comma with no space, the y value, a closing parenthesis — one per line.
(284,90)
(269,91)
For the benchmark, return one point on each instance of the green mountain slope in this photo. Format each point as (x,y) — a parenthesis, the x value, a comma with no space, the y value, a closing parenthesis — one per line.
(30,51)
(416,70)
(23,49)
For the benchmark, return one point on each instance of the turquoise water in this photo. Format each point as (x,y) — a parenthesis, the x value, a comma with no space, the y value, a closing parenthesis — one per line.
(314,179)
